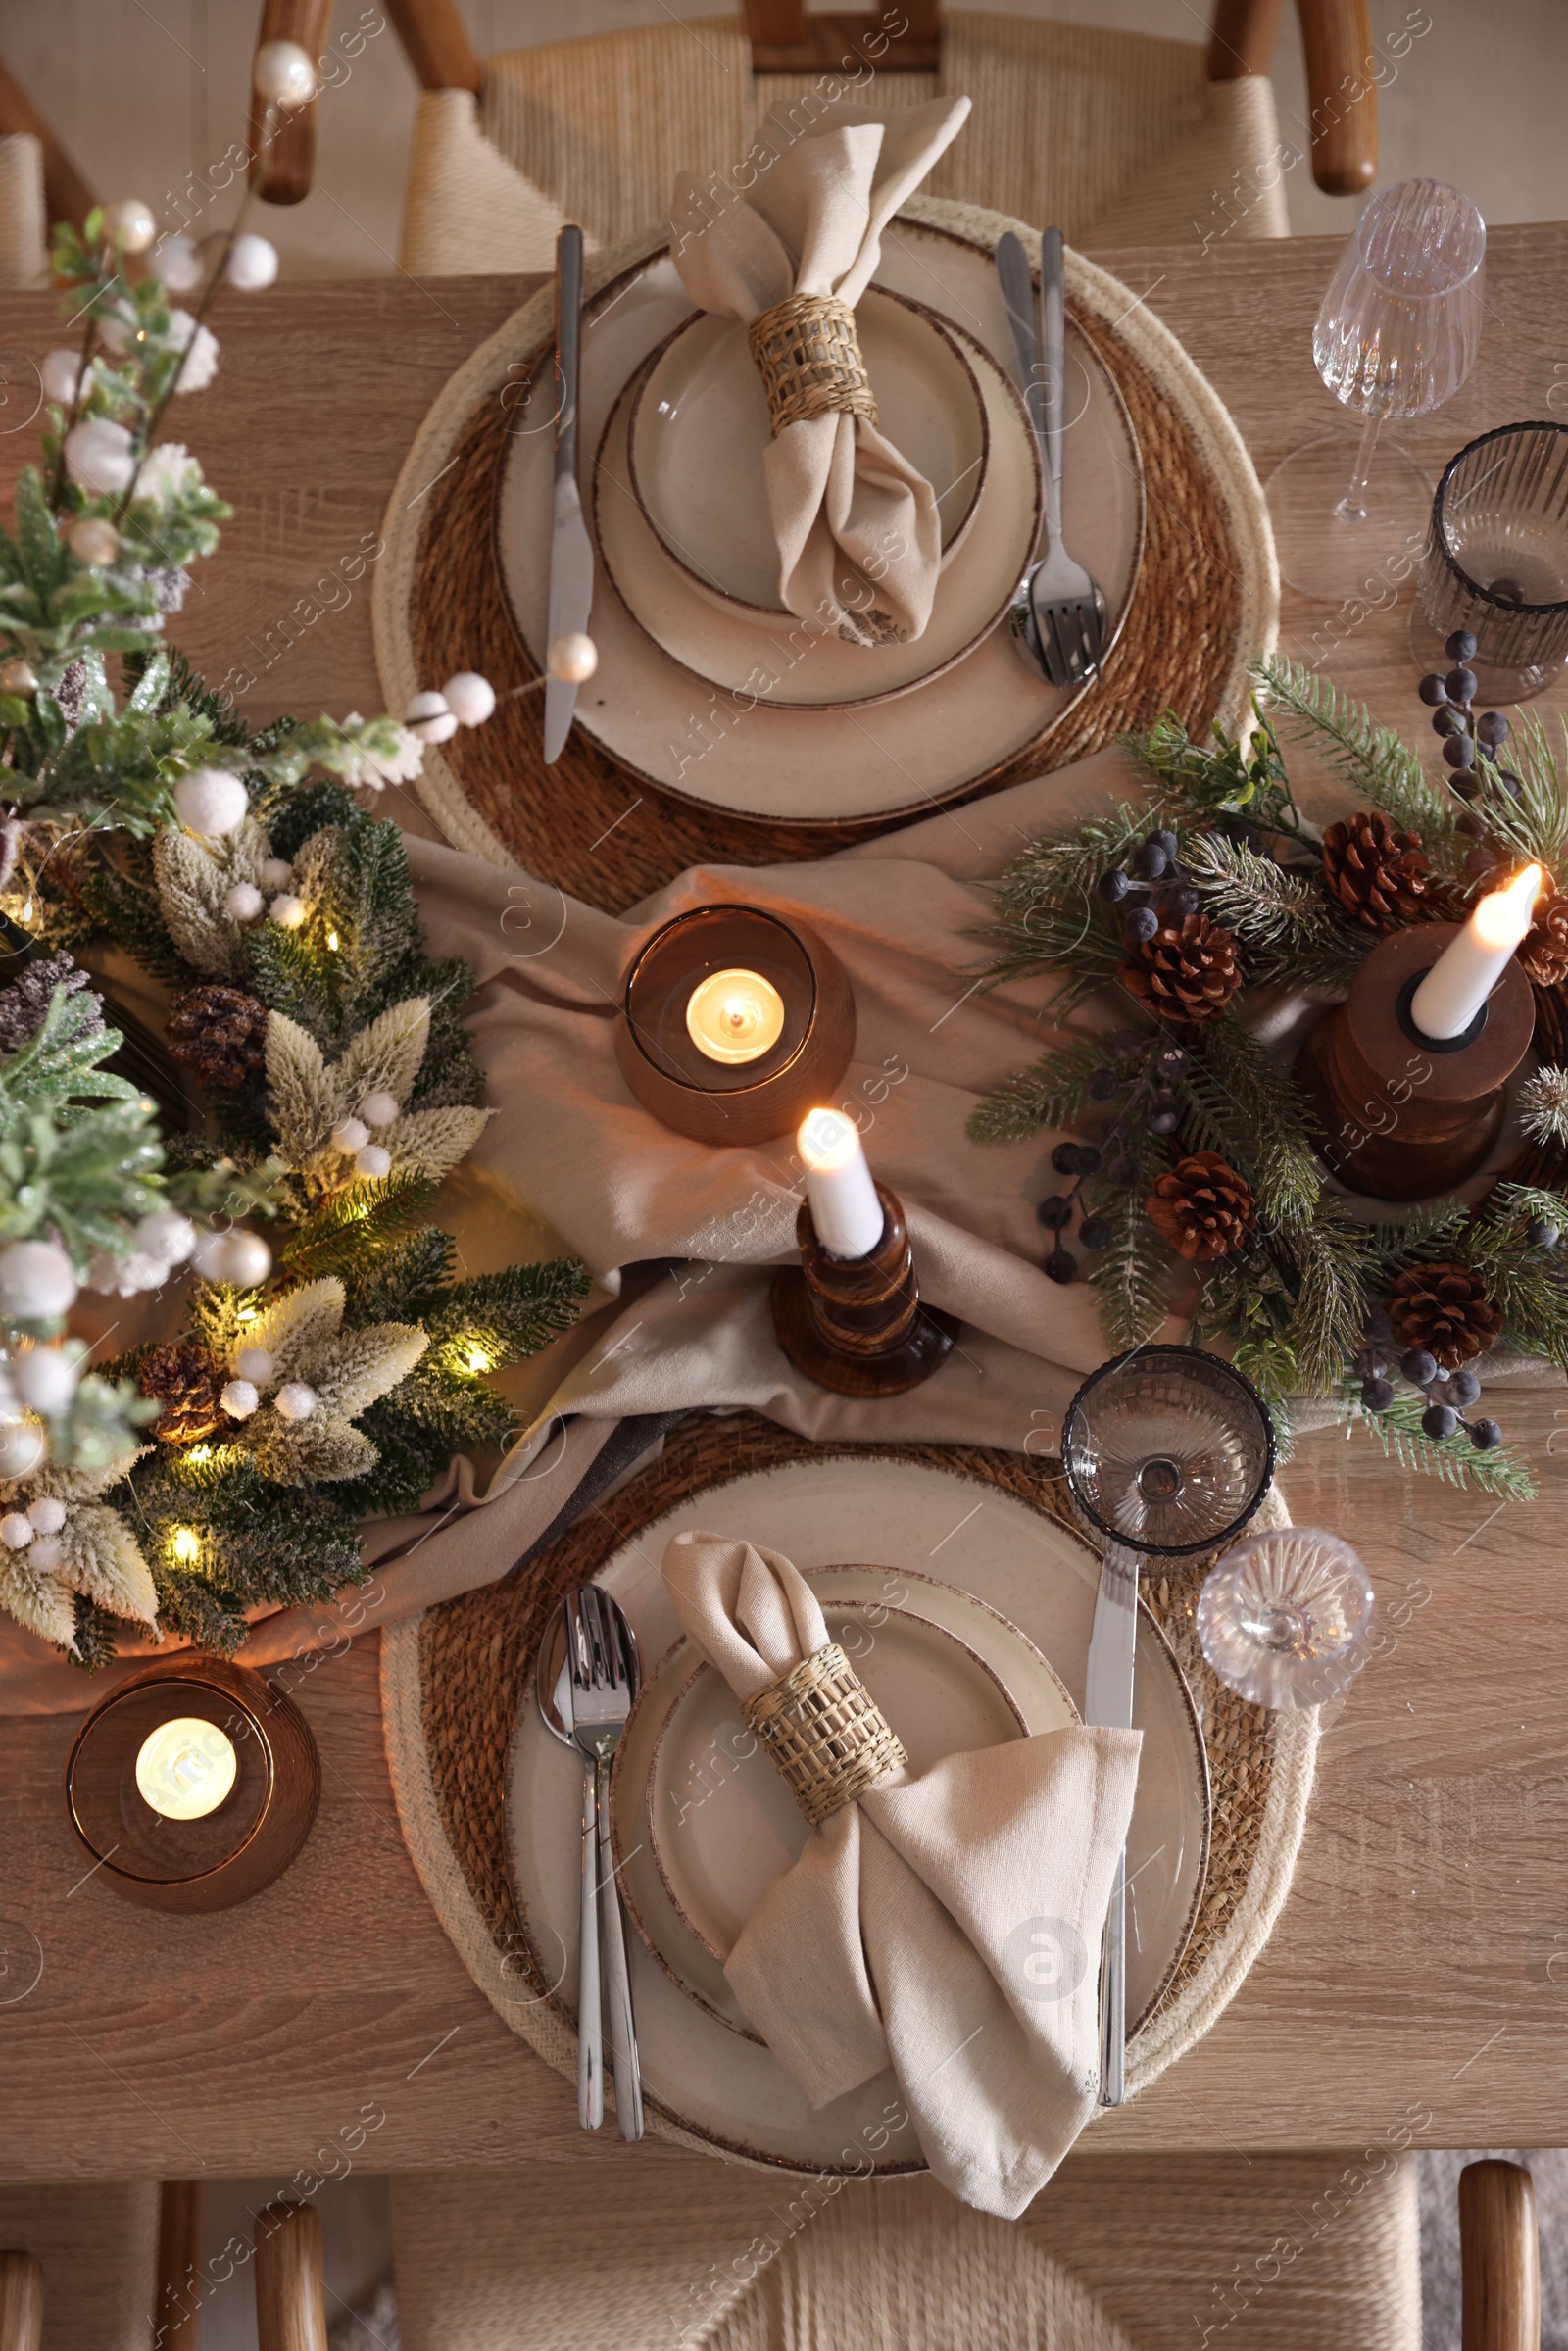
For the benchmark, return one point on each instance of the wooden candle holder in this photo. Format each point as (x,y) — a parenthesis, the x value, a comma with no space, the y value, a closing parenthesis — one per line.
(1400,1115)
(229,1854)
(857,1324)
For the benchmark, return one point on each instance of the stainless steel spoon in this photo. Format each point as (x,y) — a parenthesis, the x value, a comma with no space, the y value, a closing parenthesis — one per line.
(552,1690)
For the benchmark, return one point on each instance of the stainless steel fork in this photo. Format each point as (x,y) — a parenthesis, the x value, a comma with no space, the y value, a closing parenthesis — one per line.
(1057,616)
(603,1686)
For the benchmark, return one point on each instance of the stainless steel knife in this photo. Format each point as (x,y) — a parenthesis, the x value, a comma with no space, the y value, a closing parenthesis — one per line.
(1109,1706)
(1018,299)
(571,556)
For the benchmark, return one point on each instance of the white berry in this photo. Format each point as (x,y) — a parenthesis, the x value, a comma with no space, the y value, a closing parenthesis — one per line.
(46,1554)
(167,1235)
(47,1513)
(350,1135)
(45,1377)
(210,802)
(572,659)
(16,1531)
(374,1161)
(61,375)
(240,1399)
(240,1260)
(282,75)
(428,718)
(294,1401)
(287,909)
(93,540)
(36,1281)
(252,264)
(469,698)
(130,224)
(100,455)
(276,874)
(177,263)
(244,901)
(379,1110)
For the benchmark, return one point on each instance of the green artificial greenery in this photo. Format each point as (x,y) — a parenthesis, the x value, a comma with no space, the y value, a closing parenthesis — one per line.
(1292,1301)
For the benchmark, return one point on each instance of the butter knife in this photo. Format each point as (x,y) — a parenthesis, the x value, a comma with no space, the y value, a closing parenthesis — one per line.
(571,556)
(1109,1706)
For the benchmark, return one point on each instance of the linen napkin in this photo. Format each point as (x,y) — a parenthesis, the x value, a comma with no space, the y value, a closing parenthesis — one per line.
(847,509)
(945,1925)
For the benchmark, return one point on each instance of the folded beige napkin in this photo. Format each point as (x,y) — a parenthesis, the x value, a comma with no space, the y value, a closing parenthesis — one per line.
(840,494)
(947,1926)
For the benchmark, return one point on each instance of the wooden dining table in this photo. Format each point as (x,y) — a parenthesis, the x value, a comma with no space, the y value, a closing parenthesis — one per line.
(1417,1981)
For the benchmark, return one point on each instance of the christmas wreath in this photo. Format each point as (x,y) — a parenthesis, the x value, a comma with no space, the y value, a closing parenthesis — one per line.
(1195,1179)
(314,1071)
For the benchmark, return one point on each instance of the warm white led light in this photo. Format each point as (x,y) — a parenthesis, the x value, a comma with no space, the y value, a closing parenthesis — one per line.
(735,1016)
(186,1768)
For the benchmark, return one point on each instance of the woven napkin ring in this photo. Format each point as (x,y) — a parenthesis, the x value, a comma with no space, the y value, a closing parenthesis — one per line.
(809,354)
(824,1733)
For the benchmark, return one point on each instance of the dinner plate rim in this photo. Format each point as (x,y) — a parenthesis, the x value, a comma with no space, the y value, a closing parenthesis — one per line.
(971,787)
(778,615)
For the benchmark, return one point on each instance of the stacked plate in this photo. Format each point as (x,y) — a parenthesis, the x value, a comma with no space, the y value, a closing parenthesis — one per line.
(971,1629)
(705,685)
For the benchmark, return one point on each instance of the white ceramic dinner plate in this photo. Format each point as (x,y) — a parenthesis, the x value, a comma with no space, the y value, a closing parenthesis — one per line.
(752,652)
(947,1539)
(758,757)
(698,431)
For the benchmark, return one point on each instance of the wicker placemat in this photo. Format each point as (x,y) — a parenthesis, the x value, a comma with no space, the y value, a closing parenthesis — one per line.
(455,1679)
(1204,606)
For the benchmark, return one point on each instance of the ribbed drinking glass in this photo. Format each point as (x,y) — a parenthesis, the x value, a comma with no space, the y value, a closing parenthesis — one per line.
(1397,335)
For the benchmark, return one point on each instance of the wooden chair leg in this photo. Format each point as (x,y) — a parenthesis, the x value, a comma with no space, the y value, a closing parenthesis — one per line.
(290,2278)
(21,2302)
(1500,2257)
(181,2211)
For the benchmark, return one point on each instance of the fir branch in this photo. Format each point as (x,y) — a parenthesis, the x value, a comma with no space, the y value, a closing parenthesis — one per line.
(1532,820)
(1131,1274)
(1052,1092)
(1241,1103)
(1222,776)
(1369,758)
(1284,922)
(1454,1458)
(1334,1257)
(353,1225)
(1528,1284)
(1544,1106)
(1046,911)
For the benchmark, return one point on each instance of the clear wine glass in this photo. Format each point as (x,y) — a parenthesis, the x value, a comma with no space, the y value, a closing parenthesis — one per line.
(1285,1618)
(1397,335)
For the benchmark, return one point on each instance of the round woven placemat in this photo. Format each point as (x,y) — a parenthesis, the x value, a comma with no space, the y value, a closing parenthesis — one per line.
(454,1681)
(1204,606)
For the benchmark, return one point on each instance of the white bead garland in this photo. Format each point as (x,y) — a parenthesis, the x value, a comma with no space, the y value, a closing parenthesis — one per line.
(428,718)
(572,658)
(470,698)
(177,263)
(93,539)
(252,264)
(130,224)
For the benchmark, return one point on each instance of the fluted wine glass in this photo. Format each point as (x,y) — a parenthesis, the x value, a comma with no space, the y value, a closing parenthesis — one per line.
(1397,335)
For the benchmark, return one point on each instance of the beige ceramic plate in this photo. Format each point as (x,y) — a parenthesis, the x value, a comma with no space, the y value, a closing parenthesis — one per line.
(772,658)
(648,713)
(698,431)
(702,2070)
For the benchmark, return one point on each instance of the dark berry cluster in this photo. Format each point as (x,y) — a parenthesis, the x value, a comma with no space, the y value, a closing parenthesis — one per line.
(1450,1396)
(1139,1082)
(1465,733)
(1154,879)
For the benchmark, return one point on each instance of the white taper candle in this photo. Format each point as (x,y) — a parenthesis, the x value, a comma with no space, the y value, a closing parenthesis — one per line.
(1471,965)
(839,1190)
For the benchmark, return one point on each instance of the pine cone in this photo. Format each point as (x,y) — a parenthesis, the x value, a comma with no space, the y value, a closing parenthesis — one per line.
(1544,952)
(1186,972)
(1445,1310)
(218,1033)
(1381,877)
(187,1382)
(1203,1208)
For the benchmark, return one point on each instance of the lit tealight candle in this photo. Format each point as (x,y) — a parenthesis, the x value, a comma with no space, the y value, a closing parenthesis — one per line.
(1471,965)
(839,1190)
(186,1768)
(735,1016)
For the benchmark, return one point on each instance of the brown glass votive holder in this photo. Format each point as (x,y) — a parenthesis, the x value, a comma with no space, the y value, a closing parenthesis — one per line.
(857,1324)
(736,1101)
(226,1854)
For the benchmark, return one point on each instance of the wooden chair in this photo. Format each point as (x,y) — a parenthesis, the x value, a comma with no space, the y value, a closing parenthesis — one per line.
(103,2269)
(1118,138)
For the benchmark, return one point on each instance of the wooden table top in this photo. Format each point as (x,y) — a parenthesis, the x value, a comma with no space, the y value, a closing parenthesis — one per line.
(1422,1960)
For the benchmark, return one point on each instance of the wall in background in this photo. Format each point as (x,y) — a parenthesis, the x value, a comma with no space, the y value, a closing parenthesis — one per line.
(147,92)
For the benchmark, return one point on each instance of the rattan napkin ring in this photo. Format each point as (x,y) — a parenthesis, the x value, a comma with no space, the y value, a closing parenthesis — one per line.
(824,1733)
(809,350)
